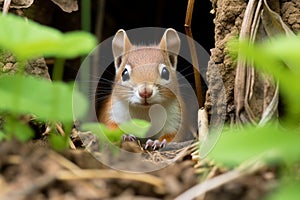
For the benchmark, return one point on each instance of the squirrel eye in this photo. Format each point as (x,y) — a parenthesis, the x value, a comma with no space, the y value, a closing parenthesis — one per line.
(165,74)
(125,75)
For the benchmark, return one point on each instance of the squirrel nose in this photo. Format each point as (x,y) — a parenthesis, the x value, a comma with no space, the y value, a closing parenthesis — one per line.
(145,91)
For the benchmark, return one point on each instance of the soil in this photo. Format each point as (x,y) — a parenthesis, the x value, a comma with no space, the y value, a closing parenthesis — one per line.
(36,172)
(221,68)
(35,67)
(290,12)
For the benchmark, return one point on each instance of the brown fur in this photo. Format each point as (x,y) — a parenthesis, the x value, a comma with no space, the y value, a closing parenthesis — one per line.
(144,62)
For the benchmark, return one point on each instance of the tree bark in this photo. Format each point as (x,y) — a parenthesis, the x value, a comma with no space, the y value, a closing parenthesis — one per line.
(221,69)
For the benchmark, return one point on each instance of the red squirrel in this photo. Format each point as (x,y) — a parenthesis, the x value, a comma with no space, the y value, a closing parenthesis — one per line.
(146,76)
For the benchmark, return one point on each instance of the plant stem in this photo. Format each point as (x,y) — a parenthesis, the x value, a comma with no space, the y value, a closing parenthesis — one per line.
(58,69)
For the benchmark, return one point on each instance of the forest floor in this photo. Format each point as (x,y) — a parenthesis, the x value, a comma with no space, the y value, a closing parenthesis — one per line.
(35,171)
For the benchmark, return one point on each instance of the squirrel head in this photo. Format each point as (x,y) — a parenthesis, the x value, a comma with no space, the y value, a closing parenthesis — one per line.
(148,71)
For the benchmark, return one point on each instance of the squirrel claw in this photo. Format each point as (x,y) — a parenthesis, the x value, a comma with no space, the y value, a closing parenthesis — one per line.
(128,137)
(156,144)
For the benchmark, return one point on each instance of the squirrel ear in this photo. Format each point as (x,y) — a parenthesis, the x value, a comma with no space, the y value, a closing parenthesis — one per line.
(120,45)
(170,43)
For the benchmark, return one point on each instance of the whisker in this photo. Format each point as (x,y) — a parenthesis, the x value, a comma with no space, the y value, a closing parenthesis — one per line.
(109,72)
(125,86)
(103,96)
(88,81)
(107,80)
(184,69)
(102,91)
(101,99)
(185,85)
(185,76)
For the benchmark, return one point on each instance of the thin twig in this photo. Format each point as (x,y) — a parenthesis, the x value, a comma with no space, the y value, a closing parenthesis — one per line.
(6,6)
(63,161)
(218,181)
(202,124)
(62,132)
(111,174)
(100,19)
(188,31)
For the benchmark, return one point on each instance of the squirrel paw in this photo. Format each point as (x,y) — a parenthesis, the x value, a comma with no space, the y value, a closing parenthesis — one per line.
(155,144)
(128,137)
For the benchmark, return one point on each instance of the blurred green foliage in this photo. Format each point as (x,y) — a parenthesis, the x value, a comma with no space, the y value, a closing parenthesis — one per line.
(21,95)
(48,100)
(27,39)
(274,143)
(135,127)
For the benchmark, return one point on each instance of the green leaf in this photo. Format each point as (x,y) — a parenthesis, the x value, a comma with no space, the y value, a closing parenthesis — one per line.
(135,127)
(59,142)
(102,132)
(28,39)
(19,130)
(269,143)
(284,48)
(47,100)
(290,190)
(2,135)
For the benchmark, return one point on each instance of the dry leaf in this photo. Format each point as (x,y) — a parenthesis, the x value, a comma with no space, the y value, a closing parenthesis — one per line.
(256,94)
(67,5)
(19,3)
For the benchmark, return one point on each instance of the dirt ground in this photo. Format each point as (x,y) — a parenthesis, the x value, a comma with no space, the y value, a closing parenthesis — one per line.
(36,172)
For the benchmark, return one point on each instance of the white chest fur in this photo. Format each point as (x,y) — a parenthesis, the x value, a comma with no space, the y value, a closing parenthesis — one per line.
(164,118)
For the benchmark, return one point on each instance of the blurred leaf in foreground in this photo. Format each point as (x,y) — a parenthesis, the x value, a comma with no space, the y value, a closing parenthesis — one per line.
(268,143)
(59,142)
(136,127)
(15,128)
(288,191)
(28,39)
(47,100)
